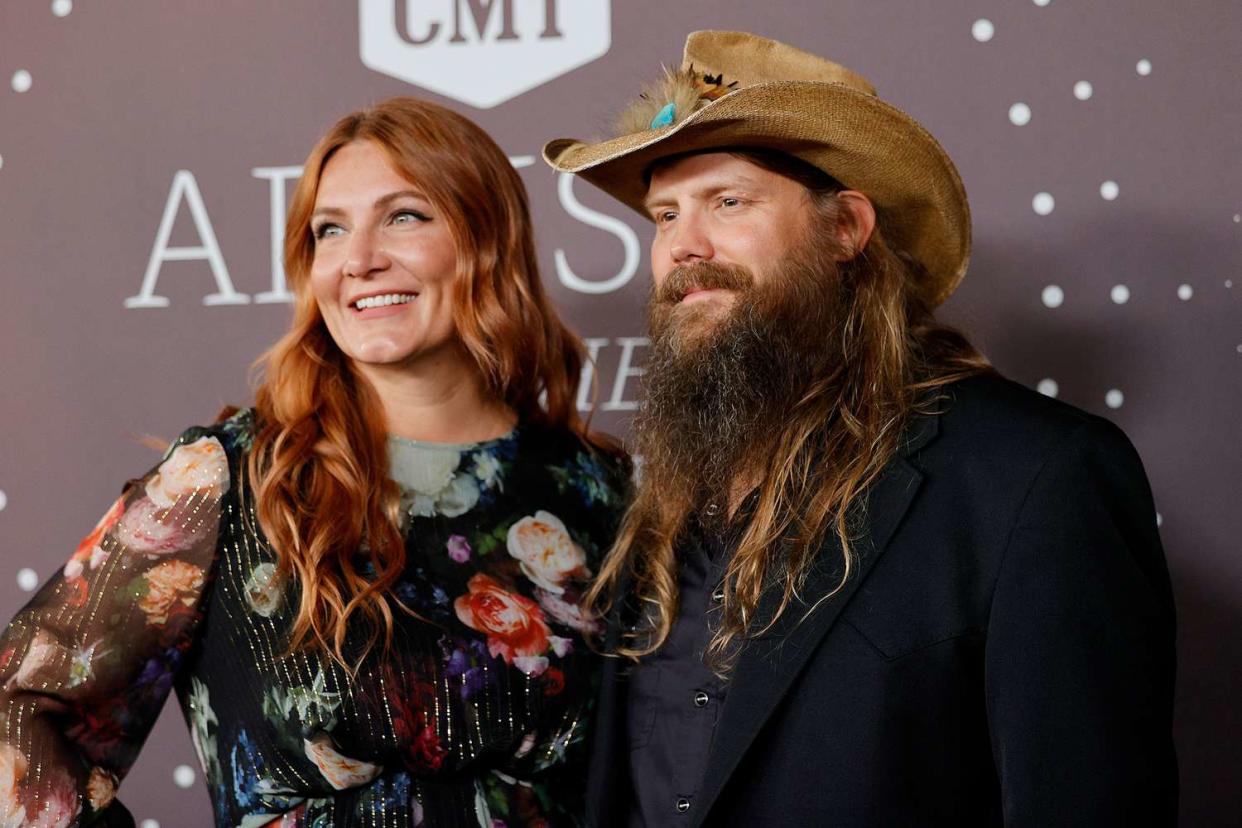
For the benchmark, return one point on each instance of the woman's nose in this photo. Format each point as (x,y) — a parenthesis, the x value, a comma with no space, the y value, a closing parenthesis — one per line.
(366,254)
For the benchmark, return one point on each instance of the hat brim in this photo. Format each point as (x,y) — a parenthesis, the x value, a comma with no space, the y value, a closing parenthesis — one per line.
(863,142)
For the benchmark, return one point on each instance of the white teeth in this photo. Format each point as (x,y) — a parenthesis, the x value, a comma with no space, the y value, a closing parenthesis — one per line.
(382,301)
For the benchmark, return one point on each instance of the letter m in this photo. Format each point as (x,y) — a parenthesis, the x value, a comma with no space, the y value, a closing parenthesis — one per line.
(481,12)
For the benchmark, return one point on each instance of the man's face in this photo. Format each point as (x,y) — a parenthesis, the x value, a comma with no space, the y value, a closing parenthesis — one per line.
(719,209)
(746,298)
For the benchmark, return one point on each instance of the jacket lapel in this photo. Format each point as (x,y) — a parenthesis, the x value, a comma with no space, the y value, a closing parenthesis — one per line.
(768,665)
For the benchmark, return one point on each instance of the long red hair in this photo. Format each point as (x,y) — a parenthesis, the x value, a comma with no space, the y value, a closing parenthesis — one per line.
(319,463)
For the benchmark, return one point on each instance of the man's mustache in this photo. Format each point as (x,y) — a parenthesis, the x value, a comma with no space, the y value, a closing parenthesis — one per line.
(685,279)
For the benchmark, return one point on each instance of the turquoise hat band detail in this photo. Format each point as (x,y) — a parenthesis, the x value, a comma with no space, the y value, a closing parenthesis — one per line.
(666,116)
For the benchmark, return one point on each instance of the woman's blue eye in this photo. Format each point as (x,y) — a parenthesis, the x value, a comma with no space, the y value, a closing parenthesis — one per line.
(401,215)
(327,229)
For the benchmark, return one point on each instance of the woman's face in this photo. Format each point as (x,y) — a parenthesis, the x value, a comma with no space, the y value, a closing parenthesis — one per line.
(384,261)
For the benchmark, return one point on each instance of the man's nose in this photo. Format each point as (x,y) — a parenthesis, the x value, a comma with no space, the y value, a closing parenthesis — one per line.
(366,254)
(691,242)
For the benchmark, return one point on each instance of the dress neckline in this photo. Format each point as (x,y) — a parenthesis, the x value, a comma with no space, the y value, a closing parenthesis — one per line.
(462,447)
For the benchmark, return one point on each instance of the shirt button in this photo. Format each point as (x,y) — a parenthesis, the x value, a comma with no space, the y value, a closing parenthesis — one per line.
(718,595)
(711,509)
(701,699)
(683,805)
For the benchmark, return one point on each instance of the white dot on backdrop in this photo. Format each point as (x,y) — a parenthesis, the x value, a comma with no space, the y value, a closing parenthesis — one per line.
(149,823)
(1109,190)
(1240,349)
(61,8)
(22,81)
(1184,292)
(1159,519)
(1019,114)
(1041,2)
(1048,387)
(27,579)
(1228,284)
(1082,90)
(184,776)
(1,162)
(1053,296)
(4,500)
(1114,398)
(1043,203)
(982,30)
(1237,218)
(1120,294)
(1143,67)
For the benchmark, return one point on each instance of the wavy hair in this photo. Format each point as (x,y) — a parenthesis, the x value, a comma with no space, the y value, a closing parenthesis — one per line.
(319,463)
(841,429)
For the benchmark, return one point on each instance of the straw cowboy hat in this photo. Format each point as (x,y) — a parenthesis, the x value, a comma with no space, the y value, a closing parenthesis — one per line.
(737,90)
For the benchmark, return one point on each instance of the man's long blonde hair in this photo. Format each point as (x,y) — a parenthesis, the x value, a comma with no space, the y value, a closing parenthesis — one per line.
(839,433)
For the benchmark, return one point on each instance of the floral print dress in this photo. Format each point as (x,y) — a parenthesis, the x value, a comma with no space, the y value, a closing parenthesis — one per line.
(476,716)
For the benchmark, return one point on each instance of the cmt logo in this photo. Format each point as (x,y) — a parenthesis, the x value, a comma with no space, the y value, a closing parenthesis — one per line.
(482,52)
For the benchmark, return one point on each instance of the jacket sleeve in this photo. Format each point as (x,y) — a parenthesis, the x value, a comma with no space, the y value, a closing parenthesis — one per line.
(1079,664)
(86,666)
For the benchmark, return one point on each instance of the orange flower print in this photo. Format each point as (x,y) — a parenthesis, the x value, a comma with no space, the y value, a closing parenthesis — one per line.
(339,770)
(514,624)
(168,584)
(101,788)
(89,550)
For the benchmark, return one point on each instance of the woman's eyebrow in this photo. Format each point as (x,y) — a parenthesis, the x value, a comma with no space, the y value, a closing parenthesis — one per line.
(382,201)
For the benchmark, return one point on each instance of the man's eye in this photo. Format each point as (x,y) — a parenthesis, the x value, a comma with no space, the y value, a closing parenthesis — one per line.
(327,229)
(665,216)
(730,201)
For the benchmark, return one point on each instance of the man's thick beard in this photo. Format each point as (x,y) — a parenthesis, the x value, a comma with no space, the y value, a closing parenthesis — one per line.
(719,393)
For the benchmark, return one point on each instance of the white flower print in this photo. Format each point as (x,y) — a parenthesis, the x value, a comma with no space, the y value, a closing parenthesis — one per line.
(460,497)
(487,470)
(202,720)
(264,591)
(200,467)
(549,556)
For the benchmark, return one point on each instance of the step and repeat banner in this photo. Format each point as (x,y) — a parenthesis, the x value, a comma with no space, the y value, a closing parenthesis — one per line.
(147,150)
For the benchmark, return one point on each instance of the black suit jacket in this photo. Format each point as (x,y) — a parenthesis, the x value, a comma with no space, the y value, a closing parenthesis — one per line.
(1003,655)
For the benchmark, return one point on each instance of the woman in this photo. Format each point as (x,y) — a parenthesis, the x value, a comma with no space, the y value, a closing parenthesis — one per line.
(365,590)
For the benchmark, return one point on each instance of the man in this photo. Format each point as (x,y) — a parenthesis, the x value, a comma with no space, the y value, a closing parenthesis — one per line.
(865,581)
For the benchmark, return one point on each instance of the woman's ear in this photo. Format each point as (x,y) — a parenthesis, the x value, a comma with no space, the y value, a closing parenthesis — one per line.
(856,224)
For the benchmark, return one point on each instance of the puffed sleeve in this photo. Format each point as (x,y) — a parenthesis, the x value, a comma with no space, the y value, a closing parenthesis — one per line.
(1080,647)
(86,666)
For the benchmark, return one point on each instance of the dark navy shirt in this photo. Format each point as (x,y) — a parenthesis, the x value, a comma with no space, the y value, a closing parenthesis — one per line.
(675,699)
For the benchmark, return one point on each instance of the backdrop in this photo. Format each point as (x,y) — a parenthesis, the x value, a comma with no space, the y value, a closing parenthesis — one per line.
(147,148)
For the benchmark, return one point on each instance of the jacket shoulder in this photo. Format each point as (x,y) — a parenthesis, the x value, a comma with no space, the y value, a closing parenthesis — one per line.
(1002,418)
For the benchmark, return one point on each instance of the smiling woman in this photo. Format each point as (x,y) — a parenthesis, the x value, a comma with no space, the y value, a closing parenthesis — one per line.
(379,246)
(367,588)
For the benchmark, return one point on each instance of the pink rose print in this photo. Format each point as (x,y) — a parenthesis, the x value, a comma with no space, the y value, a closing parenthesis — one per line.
(459,548)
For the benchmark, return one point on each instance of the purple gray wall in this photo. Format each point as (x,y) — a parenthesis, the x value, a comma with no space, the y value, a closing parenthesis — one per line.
(116,118)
